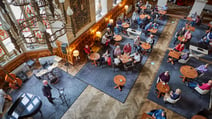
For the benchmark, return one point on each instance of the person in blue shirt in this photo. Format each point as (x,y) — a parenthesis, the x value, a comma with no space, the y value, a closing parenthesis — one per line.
(148,26)
(165,8)
(158,114)
(117,29)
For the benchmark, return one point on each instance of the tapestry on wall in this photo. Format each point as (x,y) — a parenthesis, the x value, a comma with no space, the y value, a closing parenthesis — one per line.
(81,15)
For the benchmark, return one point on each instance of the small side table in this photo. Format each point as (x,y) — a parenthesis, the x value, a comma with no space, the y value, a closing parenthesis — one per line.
(119,80)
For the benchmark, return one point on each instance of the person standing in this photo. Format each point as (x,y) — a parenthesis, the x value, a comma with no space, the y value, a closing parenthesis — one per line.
(47,91)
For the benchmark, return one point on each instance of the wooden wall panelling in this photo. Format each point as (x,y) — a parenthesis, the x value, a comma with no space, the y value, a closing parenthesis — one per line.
(89,37)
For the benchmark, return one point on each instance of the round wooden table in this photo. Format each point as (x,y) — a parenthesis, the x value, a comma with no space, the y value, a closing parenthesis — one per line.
(142,16)
(94,56)
(162,88)
(119,80)
(143,7)
(125,58)
(125,25)
(146,116)
(198,117)
(145,46)
(188,72)
(182,39)
(153,30)
(117,38)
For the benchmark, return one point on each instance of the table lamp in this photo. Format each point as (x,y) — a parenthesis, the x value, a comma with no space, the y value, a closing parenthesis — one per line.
(76,54)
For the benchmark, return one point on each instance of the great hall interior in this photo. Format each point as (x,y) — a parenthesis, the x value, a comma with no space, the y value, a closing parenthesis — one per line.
(105,59)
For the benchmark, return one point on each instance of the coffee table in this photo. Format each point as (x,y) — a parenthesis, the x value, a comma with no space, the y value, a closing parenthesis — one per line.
(188,72)
(94,56)
(162,88)
(119,80)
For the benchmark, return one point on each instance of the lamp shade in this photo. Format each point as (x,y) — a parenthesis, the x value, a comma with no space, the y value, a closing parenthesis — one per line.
(41,27)
(61,1)
(99,34)
(69,11)
(111,21)
(126,7)
(76,53)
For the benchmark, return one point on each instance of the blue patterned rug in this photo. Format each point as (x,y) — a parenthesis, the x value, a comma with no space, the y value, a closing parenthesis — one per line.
(72,89)
(191,102)
(102,78)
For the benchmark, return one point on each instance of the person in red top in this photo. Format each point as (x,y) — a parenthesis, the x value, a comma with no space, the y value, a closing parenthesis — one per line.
(179,47)
(87,49)
(127,48)
(204,86)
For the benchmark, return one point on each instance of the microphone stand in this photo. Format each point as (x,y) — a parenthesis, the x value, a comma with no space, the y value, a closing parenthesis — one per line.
(62,95)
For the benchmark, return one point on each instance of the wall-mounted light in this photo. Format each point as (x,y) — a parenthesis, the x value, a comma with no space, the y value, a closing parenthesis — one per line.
(99,34)
(126,8)
(111,21)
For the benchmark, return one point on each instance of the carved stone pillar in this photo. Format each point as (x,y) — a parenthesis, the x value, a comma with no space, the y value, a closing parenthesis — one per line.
(198,7)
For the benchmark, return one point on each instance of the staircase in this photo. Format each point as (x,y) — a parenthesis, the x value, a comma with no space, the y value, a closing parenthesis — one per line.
(178,11)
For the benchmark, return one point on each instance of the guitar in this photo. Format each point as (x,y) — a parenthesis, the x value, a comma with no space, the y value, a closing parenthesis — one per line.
(11,78)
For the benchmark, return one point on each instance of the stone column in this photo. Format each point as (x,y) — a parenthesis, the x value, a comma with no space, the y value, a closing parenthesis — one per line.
(198,7)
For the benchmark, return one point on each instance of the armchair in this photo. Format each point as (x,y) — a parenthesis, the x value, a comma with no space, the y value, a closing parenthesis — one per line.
(200,91)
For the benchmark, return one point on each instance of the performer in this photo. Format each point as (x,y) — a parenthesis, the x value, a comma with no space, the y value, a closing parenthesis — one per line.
(47,91)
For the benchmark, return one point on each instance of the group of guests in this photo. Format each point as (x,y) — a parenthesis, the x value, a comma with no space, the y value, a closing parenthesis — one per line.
(145,23)
(175,95)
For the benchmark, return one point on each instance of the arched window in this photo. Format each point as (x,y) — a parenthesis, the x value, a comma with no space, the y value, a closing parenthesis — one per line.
(101,8)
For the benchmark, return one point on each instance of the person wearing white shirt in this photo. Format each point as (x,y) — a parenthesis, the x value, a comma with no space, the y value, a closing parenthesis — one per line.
(150,39)
(117,61)
(137,57)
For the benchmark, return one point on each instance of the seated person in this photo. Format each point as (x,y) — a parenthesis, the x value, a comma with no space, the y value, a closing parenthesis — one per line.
(154,26)
(164,77)
(148,6)
(165,7)
(127,48)
(117,61)
(104,57)
(136,44)
(173,95)
(110,25)
(187,36)
(202,69)
(3,95)
(117,29)
(87,49)
(179,47)
(207,38)
(204,86)
(157,114)
(117,51)
(119,22)
(109,34)
(135,15)
(140,22)
(126,20)
(181,32)
(184,56)
(137,57)
(150,40)
(148,26)
(105,41)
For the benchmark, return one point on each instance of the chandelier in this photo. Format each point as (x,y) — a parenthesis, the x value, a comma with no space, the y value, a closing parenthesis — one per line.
(44,13)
